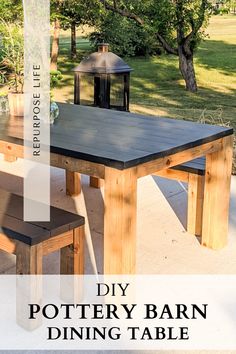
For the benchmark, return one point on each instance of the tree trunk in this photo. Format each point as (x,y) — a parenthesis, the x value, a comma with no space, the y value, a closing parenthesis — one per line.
(187,69)
(73,41)
(55,45)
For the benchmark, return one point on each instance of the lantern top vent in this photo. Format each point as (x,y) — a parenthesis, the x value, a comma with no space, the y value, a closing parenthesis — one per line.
(103,62)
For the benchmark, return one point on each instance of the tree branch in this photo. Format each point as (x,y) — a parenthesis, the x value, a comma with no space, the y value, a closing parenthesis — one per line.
(140,21)
(180,21)
(196,26)
(201,16)
(124,13)
(166,46)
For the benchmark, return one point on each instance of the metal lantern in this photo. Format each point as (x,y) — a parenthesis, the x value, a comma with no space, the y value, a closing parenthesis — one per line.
(103,80)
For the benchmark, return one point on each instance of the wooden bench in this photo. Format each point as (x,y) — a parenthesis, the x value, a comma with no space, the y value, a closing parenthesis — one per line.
(193,173)
(30,241)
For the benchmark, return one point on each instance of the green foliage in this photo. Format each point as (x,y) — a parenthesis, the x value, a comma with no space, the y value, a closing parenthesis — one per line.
(233,5)
(126,37)
(11,10)
(174,20)
(55,78)
(222,7)
(12,56)
(78,12)
(177,25)
(156,84)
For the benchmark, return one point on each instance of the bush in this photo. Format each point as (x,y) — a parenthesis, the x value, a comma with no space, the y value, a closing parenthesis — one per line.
(126,38)
(224,11)
(11,56)
(55,79)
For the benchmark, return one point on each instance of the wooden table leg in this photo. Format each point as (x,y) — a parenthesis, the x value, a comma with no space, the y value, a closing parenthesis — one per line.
(217,195)
(9,158)
(73,183)
(96,182)
(195,204)
(120,221)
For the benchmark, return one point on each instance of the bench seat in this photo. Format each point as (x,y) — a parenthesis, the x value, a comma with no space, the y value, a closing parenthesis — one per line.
(30,241)
(193,173)
(196,166)
(32,233)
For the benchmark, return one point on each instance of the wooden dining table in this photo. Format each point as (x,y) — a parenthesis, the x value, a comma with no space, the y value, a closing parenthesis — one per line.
(120,148)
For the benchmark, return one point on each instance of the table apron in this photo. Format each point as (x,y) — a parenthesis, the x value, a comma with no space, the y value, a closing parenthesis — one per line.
(98,170)
(60,161)
(149,168)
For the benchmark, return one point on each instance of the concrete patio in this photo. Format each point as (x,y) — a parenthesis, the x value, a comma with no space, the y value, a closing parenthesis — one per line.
(164,247)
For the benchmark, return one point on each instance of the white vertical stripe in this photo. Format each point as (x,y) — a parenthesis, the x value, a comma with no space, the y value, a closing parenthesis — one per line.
(37,110)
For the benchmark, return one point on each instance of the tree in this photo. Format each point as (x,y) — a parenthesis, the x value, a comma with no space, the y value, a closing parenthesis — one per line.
(76,13)
(178,25)
(69,14)
(72,15)
(233,6)
(55,18)
(126,38)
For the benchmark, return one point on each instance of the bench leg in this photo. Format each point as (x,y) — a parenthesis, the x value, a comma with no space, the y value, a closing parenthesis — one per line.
(72,263)
(29,259)
(195,204)
(28,289)
(72,256)
(96,182)
(73,183)
(9,158)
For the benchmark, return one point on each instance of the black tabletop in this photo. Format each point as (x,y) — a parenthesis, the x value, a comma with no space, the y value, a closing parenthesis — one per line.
(116,139)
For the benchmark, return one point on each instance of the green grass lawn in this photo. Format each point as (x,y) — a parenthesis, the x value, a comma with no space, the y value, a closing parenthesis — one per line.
(157,87)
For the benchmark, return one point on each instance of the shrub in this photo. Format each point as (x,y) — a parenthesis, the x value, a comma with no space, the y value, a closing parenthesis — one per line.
(55,79)
(126,38)
(12,56)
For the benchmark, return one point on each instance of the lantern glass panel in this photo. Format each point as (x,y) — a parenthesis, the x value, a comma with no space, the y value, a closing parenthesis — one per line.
(86,89)
(117,91)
